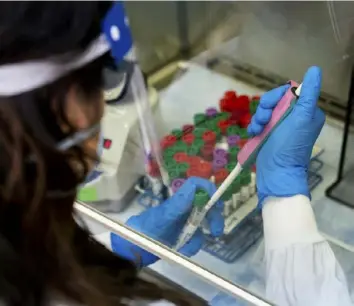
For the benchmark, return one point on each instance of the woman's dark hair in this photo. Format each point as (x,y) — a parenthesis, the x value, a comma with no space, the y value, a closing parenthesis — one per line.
(42,248)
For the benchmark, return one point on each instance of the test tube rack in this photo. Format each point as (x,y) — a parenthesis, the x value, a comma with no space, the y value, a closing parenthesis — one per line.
(246,231)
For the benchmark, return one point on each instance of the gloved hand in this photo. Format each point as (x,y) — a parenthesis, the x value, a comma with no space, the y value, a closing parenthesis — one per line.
(165,222)
(283,161)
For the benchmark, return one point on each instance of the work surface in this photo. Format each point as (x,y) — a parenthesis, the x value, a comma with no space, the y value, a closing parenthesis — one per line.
(194,91)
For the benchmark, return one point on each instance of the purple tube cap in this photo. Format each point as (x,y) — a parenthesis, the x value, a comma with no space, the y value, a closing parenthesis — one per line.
(219,152)
(211,111)
(176,184)
(233,140)
(219,163)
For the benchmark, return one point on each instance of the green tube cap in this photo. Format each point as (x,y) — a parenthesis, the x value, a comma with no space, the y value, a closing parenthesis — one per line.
(168,153)
(182,169)
(199,143)
(180,146)
(199,118)
(245,177)
(233,130)
(211,124)
(233,151)
(236,185)
(170,165)
(177,132)
(227,194)
(198,132)
(224,116)
(253,106)
(243,134)
(231,166)
(201,198)
(173,174)
(193,150)
(218,133)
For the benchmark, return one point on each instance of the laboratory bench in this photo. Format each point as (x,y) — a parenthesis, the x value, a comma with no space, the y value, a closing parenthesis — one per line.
(193,91)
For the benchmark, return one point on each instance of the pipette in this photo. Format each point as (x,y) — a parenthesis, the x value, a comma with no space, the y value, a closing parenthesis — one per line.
(245,158)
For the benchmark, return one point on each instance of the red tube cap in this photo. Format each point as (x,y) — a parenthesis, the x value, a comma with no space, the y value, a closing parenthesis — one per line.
(205,169)
(194,161)
(192,171)
(230,94)
(245,120)
(243,103)
(207,152)
(168,141)
(242,142)
(209,137)
(181,157)
(223,125)
(188,128)
(224,105)
(220,176)
(188,138)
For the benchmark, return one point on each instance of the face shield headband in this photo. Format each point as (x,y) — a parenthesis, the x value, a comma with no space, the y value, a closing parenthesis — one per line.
(18,78)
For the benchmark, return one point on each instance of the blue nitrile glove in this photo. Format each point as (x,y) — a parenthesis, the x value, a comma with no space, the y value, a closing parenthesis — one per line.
(283,161)
(165,222)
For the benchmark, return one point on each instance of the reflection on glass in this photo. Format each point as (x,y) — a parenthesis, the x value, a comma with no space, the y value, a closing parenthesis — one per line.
(196,129)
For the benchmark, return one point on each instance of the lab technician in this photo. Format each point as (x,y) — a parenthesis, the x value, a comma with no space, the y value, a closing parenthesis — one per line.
(51,61)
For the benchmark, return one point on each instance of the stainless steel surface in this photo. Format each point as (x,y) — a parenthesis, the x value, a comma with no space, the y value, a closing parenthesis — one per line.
(162,29)
(286,38)
(211,23)
(155,30)
(283,38)
(167,254)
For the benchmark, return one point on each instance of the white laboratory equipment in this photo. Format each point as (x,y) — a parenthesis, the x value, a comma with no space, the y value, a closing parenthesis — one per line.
(122,164)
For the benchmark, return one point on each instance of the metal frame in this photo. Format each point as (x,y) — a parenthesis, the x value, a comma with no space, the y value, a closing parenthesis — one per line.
(331,188)
(167,254)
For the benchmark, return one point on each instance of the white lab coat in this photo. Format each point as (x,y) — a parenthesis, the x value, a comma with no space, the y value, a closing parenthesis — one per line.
(301,269)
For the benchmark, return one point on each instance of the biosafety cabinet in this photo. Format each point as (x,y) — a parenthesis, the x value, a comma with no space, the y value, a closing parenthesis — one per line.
(205,65)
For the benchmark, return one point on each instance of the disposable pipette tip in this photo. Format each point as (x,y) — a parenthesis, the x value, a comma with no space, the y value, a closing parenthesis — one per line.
(298,90)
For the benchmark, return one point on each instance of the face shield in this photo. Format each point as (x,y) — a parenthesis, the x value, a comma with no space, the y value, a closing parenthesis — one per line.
(128,109)
(122,76)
